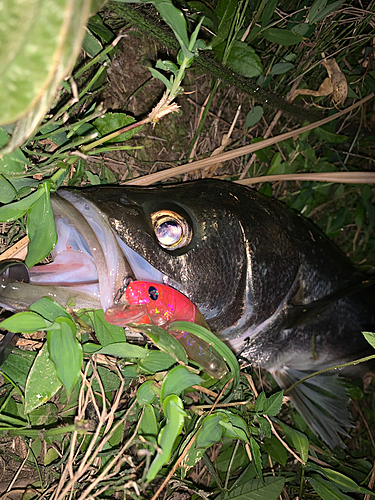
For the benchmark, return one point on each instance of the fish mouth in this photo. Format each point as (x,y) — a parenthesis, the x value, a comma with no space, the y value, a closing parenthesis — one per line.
(90,261)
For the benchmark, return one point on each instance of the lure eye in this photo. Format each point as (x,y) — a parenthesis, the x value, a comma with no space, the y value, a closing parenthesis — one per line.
(153,293)
(171,230)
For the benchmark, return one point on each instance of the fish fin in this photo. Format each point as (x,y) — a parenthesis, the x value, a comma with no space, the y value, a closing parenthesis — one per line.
(299,314)
(322,401)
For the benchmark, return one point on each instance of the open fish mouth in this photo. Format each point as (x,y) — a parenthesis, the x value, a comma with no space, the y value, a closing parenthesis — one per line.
(90,262)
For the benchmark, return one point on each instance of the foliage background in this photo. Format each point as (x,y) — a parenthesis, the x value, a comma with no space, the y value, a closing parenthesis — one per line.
(96,433)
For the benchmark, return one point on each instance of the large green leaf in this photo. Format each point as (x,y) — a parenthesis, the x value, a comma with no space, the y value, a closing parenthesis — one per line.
(42,382)
(327,490)
(11,164)
(177,380)
(105,332)
(66,352)
(175,417)
(243,59)
(370,337)
(18,209)
(41,229)
(7,191)
(26,322)
(17,366)
(123,350)
(256,489)
(111,122)
(282,37)
(39,42)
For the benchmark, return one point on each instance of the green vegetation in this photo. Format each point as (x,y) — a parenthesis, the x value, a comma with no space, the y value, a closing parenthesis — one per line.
(96,425)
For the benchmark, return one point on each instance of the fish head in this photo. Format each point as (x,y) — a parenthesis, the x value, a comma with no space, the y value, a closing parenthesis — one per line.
(185,236)
(215,242)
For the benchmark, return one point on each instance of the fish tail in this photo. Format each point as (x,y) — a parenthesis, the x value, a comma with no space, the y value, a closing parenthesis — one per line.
(322,401)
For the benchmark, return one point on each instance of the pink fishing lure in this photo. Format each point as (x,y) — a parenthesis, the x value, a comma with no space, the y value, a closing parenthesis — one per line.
(157,304)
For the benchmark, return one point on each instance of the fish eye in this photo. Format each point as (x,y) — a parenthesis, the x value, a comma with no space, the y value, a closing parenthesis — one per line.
(153,293)
(171,230)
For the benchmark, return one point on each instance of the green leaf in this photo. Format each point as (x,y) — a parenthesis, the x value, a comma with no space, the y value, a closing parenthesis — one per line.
(13,163)
(211,432)
(50,456)
(268,11)
(232,432)
(275,449)
(156,74)
(41,229)
(17,366)
(327,490)
(123,350)
(175,417)
(44,415)
(297,439)
(262,154)
(243,59)
(316,9)
(264,427)
(40,41)
(301,29)
(342,481)
(275,164)
(7,191)
(326,136)
(164,341)
(167,66)
(370,337)
(360,214)
(66,352)
(319,10)
(111,122)
(105,332)
(156,361)
(49,309)
(93,47)
(26,322)
(256,489)
(253,116)
(42,382)
(272,405)
(255,451)
(149,428)
(281,68)
(177,380)
(282,36)
(175,19)
(18,209)
(259,402)
(191,458)
(366,192)
(109,379)
(147,392)
(92,178)
(225,12)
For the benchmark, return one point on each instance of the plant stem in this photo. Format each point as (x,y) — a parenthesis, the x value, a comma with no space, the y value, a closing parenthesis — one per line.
(145,20)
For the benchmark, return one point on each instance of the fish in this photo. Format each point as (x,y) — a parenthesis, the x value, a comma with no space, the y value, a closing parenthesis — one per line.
(266,280)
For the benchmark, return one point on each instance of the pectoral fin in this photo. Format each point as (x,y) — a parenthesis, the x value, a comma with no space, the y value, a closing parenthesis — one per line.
(322,401)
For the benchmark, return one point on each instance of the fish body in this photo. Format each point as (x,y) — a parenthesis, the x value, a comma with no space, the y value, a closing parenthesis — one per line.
(257,271)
